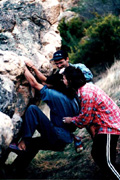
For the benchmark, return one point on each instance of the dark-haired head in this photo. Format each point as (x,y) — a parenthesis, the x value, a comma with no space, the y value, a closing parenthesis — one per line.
(75,77)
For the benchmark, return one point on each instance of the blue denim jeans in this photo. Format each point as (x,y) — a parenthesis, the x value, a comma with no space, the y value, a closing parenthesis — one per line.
(35,119)
(54,129)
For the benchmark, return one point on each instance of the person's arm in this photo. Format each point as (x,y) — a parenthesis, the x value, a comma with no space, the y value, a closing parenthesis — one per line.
(91,128)
(79,120)
(31,79)
(85,117)
(40,76)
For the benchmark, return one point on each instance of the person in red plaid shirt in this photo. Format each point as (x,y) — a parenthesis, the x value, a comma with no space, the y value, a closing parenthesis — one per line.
(99,111)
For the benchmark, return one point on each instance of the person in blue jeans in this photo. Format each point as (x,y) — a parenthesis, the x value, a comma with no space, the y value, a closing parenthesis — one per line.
(55,135)
(53,129)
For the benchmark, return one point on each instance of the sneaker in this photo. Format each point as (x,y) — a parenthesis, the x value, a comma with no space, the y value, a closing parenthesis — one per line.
(78,144)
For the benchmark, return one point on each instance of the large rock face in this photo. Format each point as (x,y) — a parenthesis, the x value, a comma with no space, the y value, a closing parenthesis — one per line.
(28,30)
(25,27)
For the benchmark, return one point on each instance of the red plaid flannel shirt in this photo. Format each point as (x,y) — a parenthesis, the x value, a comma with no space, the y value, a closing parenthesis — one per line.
(97,109)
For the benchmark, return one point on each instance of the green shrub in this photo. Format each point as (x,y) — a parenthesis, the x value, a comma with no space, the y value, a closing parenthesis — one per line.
(102,42)
(71,32)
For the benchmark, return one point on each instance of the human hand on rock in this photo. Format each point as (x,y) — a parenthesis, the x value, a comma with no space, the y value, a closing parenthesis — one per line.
(29,63)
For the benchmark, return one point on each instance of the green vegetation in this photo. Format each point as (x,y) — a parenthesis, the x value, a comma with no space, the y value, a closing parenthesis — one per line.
(71,32)
(91,41)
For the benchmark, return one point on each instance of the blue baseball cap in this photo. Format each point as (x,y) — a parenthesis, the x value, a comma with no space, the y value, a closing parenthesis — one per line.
(58,55)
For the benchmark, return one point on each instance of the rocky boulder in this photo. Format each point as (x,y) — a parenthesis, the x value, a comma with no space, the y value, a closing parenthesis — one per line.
(12,99)
(28,30)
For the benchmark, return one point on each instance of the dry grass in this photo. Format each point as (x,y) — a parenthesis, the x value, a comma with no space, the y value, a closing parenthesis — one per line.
(110,82)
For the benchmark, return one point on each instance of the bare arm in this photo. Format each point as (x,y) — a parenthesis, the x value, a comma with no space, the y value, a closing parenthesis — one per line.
(31,79)
(37,72)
